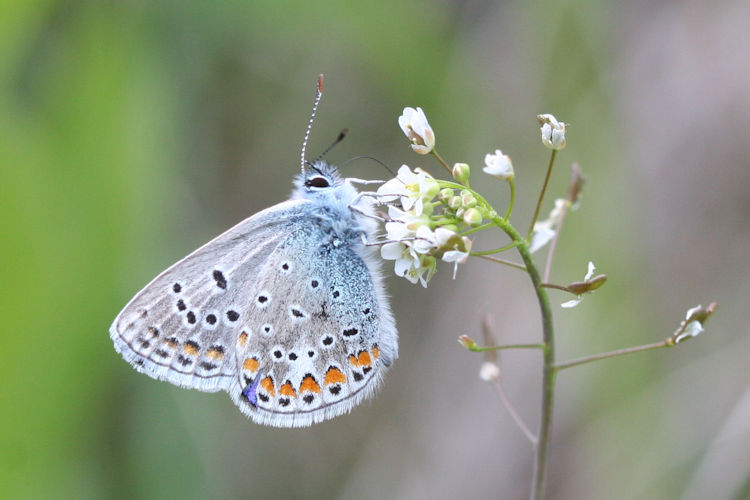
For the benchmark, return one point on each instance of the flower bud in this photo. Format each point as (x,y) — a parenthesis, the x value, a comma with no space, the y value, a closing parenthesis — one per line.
(446,194)
(455,202)
(468,201)
(467,342)
(575,188)
(461,172)
(553,132)
(472,217)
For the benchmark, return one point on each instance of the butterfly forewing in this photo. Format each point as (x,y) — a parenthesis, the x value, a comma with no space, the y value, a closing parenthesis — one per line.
(178,328)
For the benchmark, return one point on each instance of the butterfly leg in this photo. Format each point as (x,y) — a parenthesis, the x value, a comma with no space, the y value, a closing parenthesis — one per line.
(365,214)
(385,242)
(363,181)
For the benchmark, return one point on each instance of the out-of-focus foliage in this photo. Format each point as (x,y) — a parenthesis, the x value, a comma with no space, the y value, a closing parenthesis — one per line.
(131,132)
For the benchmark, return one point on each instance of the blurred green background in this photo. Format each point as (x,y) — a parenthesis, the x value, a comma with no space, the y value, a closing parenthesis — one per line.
(131,132)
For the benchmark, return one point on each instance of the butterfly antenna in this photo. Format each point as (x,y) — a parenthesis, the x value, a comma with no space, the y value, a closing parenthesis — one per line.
(341,137)
(373,159)
(318,95)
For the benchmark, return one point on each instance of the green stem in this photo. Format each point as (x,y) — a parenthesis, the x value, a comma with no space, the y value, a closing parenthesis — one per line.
(548,372)
(512,198)
(541,195)
(496,250)
(478,228)
(477,348)
(611,354)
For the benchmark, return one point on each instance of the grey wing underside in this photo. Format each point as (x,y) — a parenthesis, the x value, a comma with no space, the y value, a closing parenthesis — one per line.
(318,335)
(182,326)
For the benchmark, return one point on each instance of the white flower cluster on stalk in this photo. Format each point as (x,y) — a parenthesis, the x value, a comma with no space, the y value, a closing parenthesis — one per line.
(416,232)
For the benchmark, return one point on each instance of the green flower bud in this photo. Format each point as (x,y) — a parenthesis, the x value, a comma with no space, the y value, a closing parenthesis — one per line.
(472,217)
(446,194)
(468,201)
(461,172)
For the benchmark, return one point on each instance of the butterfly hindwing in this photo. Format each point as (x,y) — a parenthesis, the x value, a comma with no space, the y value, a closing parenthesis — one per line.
(317,336)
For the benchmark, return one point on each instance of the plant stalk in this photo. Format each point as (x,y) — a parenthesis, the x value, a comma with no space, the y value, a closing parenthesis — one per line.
(548,373)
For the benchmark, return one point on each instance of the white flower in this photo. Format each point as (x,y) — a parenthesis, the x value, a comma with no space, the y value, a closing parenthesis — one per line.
(578,299)
(412,189)
(498,165)
(425,240)
(545,230)
(406,232)
(457,252)
(553,132)
(414,124)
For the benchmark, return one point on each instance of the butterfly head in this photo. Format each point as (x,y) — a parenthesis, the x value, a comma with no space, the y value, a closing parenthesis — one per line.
(318,179)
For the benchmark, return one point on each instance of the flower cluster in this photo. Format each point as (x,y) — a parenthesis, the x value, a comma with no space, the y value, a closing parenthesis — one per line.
(422,227)
(429,219)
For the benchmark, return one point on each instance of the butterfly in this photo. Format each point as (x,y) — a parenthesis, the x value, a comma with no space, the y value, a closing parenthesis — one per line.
(286,311)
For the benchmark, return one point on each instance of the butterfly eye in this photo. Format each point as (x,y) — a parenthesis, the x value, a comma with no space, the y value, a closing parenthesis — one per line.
(317,182)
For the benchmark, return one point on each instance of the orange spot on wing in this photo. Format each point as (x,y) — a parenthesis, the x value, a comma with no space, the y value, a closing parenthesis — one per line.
(251,365)
(243,339)
(375,351)
(309,385)
(191,349)
(364,358)
(288,390)
(171,342)
(353,360)
(267,385)
(334,376)
(215,354)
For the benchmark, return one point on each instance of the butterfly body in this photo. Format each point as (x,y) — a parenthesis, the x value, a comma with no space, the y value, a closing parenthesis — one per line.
(285,311)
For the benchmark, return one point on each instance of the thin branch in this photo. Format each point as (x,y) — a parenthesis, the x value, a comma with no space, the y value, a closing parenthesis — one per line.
(496,250)
(500,391)
(553,244)
(611,354)
(512,198)
(488,332)
(503,347)
(541,195)
(442,162)
(502,261)
(557,287)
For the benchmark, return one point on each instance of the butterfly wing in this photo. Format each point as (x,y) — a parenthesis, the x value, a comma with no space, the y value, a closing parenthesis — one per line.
(318,334)
(278,311)
(178,328)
